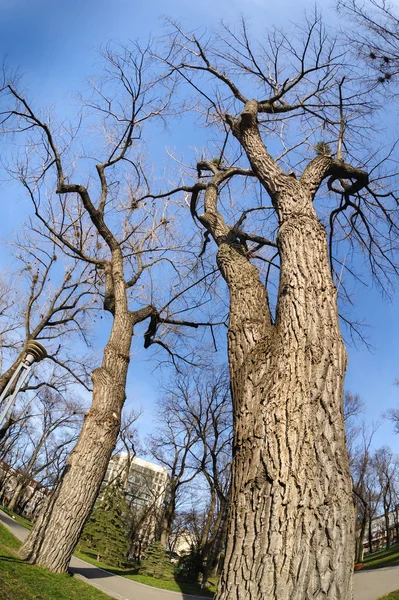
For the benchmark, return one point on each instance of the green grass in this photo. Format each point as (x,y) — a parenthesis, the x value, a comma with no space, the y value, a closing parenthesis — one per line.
(391,596)
(8,540)
(20,581)
(128,572)
(164,584)
(383,558)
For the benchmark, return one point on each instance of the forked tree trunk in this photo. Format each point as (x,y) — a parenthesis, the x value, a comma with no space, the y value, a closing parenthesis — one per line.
(291,515)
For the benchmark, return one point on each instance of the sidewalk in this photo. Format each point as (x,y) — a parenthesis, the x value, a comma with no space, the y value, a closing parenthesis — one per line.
(370,585)
(113,585)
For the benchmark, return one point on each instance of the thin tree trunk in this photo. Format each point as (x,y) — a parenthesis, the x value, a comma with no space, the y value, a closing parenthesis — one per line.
(386,518)
(26,498)
(360,540)
(370,535)
(208,524)
(219,547)
(215,543)
(25,475)
(60,523)
(167,520)
(14,502)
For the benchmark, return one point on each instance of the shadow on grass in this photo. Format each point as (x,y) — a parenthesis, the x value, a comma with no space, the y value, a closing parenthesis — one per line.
(12,559)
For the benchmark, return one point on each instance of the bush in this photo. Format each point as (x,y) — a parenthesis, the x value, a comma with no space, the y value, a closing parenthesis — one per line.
(191,566)
(156,563)
(104,533)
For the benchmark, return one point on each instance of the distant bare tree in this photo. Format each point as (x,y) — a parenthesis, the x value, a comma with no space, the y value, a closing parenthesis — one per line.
(377,38)
(171,445)
(204,402)
(51,304)
(46,445)
(353,407)
(387,470)
(363,481)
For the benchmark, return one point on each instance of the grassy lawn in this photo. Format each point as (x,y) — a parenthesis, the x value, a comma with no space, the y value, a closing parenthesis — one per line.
(131,573)
(20,581)
(384,558)
(391,596)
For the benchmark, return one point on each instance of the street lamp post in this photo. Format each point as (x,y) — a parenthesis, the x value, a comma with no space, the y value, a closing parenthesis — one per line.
(34,352)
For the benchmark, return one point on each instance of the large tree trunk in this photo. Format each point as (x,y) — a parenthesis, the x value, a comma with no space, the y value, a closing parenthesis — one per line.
(291,516)
(61,521)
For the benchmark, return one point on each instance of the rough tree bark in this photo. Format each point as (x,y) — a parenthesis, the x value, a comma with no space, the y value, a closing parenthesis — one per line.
(291,517)
(57,530)
(214,545)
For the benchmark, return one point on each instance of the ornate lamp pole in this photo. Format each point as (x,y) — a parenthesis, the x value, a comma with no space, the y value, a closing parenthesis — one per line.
(34,352)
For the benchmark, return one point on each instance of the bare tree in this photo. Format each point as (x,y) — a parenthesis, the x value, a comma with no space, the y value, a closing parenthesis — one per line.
(46,444)
(127,443)
(171,445)
(96,218)
(386,468)
(203,402)
(51,304)
(365,492)
(377,40)
(291,525)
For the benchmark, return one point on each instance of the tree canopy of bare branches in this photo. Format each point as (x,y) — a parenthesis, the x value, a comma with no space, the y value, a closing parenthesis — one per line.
(91,209)
(292,199)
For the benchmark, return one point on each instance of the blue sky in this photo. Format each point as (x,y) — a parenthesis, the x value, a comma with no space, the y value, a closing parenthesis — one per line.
(54,45)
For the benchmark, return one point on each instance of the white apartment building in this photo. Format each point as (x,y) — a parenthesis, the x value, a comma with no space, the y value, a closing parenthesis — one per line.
(145,483)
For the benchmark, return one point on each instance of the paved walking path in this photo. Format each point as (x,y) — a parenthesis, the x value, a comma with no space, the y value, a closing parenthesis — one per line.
(113,585)
(369,585)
